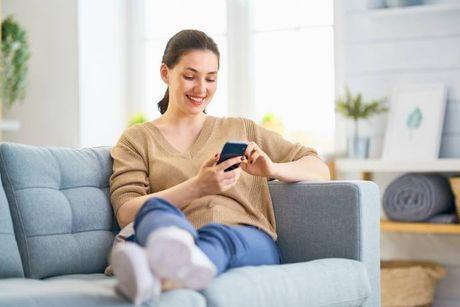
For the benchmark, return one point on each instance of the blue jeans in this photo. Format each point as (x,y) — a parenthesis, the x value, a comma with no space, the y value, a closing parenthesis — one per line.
(227,246)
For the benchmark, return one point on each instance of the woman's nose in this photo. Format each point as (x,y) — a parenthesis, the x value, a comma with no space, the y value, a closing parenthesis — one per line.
(200,88)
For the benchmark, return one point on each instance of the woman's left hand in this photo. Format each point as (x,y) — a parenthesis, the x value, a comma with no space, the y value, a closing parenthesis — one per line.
(257,162)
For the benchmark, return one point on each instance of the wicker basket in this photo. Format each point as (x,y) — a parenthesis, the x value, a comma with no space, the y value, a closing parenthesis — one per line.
(409,283)
(455,185)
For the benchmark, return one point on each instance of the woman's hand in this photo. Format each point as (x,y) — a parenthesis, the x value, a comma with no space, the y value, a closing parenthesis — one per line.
(211,178)
(258,163)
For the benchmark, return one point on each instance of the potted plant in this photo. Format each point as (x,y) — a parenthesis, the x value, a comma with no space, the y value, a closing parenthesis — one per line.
(15,54)
(353,107)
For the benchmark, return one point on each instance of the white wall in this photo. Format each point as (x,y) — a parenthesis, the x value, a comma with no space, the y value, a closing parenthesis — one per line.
(77,86)
(102,70)
(50,111)
(377,52)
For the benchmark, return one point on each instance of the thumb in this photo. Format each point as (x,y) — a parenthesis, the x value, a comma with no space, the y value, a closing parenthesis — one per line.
(212,161)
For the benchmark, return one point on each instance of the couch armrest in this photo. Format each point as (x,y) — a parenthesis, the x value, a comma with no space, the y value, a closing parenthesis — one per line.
(334,219)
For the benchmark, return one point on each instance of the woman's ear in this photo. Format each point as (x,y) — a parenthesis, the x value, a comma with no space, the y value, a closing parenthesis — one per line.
(164,73)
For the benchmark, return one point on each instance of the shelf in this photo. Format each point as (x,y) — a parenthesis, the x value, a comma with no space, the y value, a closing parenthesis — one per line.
(378,165)
(10,125)
(425,228)
(413,10)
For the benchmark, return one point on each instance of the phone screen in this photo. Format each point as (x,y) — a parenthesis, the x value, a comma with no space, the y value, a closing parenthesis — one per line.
(232,149)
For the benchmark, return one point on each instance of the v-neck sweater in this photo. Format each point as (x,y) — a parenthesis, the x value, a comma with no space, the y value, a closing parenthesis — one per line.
(144,162)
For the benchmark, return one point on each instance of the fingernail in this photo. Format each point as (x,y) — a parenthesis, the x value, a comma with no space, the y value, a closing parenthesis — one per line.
(250,161)
(242,158)
(215,156)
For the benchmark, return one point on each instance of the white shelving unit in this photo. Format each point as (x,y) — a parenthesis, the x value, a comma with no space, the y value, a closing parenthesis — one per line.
(378,165)
(368,166)
(413,10)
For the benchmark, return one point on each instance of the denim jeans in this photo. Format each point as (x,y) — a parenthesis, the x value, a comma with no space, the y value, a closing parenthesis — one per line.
(227,246)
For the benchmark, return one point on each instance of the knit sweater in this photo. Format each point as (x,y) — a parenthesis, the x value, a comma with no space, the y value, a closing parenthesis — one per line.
(145,162)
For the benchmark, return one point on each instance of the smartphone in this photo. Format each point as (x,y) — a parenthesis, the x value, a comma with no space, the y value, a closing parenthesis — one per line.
(232,149)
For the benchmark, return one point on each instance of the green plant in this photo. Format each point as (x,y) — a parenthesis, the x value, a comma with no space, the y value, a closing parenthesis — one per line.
(353,106)
(137,118)
(15,54)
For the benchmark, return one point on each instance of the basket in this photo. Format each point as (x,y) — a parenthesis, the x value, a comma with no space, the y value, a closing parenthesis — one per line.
(455,185)
(409,283)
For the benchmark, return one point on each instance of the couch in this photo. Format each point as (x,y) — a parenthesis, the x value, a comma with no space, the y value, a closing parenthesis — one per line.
(57,229)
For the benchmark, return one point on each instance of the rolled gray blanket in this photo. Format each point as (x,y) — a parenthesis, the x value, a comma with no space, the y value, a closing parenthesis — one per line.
(418,197)
(444,219)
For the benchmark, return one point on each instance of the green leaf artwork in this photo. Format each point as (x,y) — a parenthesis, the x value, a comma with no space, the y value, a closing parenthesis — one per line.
(415,118)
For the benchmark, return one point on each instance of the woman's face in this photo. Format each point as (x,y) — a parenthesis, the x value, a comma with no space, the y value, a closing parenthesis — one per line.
(192,81)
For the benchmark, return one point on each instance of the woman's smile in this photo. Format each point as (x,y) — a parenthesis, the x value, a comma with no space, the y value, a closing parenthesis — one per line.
(196,101)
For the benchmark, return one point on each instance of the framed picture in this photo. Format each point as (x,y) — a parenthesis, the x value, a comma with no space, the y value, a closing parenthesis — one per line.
(415,122)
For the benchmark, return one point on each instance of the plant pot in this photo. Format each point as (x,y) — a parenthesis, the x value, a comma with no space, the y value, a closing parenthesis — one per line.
(358,147)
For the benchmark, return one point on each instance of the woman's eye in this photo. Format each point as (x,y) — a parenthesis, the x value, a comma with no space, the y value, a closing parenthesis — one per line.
(211,80)
(188,78)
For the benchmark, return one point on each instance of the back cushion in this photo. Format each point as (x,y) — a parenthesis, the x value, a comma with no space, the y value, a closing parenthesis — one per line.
(60,207)
(10,261)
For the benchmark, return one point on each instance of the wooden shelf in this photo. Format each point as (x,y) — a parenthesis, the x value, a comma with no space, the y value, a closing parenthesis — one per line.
(377,165)
(425,228)
(413,10)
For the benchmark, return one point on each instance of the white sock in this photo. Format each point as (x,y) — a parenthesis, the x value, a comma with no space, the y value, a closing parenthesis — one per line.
(173,255)
(135,279)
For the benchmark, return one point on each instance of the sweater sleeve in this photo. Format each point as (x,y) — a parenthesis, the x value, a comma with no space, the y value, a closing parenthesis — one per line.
(275,146)
(130,172)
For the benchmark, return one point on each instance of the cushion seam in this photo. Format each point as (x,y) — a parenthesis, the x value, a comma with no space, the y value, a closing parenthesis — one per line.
(68,233)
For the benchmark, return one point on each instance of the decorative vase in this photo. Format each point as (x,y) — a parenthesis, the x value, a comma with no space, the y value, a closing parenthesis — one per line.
(358,147)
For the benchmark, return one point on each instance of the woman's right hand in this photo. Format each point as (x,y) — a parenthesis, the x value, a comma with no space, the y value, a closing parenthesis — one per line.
(211,178)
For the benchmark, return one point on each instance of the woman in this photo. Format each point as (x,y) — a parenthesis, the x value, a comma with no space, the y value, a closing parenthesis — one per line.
(192,220)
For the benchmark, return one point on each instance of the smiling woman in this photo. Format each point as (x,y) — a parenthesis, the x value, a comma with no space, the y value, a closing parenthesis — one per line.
(192,220)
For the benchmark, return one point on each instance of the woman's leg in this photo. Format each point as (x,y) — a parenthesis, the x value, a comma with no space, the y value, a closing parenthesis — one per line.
(236,246)
(169,239)
(157,213)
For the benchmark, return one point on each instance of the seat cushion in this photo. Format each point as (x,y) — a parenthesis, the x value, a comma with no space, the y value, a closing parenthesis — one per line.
(60,207)
(10,261)
(325,282)
(81,290)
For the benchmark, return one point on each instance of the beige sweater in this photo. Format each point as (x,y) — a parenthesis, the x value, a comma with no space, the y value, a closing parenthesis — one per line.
(145,162)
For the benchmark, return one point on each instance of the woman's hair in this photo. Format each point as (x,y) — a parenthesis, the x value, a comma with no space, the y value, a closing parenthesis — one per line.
(178,45)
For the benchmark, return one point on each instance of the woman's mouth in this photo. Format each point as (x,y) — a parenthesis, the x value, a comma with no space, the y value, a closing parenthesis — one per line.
(196,101)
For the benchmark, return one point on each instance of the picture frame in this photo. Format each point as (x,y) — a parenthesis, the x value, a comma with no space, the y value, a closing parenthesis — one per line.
(415,122)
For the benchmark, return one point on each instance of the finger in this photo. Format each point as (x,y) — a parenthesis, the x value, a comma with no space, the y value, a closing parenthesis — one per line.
(232,173)
(228,183)
(212,161)
(227,163)
(249,149)
(254,157)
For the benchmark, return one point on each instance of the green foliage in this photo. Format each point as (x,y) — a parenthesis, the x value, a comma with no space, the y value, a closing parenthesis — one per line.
(137,118)
(268,117)
(15,54)
(354,107)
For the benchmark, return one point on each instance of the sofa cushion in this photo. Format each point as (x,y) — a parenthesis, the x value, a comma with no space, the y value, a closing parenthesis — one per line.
(60,207)
(325,282)
(10,261)
(82,290)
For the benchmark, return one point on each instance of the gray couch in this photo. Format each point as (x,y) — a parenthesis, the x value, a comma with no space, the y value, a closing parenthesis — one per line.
(57,228)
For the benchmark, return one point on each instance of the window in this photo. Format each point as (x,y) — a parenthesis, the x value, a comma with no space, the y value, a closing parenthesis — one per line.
(162,20)
(291,67)
(294,67)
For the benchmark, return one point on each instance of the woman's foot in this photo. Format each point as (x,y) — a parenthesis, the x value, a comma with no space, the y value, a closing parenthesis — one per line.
(135,280)
(173,255)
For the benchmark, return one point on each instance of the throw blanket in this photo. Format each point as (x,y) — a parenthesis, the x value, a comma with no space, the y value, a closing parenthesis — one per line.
(419,197)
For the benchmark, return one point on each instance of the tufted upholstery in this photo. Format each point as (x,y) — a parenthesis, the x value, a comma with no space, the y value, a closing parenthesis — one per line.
(10,262)
(60,207)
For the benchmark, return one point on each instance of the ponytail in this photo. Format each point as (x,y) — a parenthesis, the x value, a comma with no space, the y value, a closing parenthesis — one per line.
(163,103)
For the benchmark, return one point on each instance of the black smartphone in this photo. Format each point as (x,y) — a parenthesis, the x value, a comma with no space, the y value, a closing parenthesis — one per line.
(232,149)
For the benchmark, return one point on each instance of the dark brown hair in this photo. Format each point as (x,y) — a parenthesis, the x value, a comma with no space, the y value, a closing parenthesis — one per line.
(181,43)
